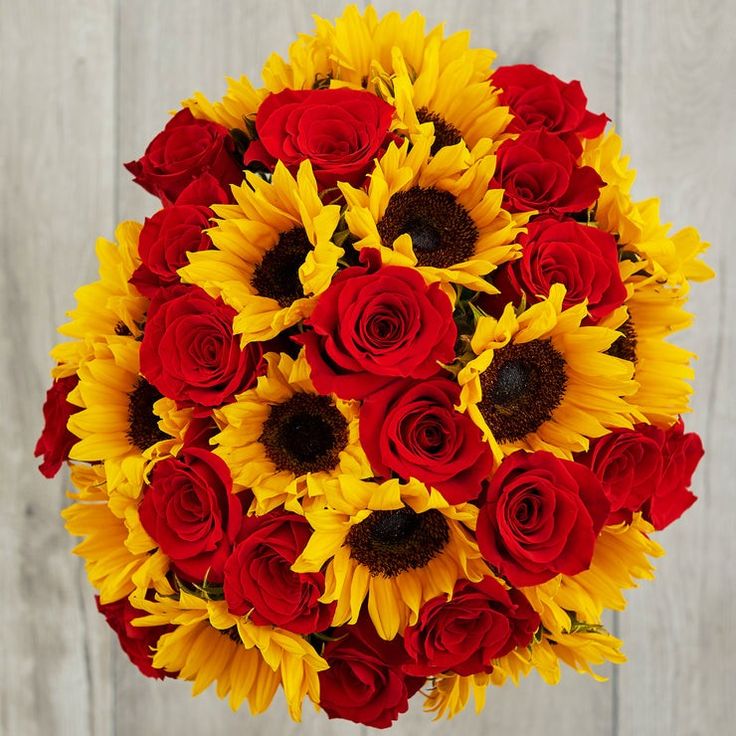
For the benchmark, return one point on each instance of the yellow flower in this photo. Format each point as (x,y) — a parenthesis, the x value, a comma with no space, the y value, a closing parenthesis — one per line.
(362,47)
(112,566)
(540,381)
(435,212)
(450,694)
(396,545)
(665,258)
(282,440)
(274,254)
(106,308)
(123,416)
(661,370)
(248,662)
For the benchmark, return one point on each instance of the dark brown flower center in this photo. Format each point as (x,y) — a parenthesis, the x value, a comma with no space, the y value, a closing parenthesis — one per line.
(143,429)
(305,434)
(442,232)
(625,346)
(277,275)
(445,134)
(523,385)
(122,329)
(391,542)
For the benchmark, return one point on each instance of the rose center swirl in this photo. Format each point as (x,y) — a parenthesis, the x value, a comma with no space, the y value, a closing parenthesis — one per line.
(521,388)
(143,429)
(277,275)
(445,134)
(442,232)
(389,543)
(305,434)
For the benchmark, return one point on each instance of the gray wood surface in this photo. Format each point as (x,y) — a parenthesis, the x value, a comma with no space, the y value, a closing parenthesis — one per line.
(87,83)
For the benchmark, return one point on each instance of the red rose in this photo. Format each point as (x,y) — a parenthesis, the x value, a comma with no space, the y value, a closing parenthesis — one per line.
(138,642)
(412,429)
(340,131)
(189,511)
(184,150)
(189,352)
(581,257)
(56,440)
(629,464)
(542,101)
(482,622)
(538,171)
(377,323)
(671,497)
(541,517)
(365,682)
(258,576)
(646,469)
(173,231)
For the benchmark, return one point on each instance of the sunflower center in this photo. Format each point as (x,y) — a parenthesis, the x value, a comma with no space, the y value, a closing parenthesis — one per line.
(122,329)
(277,275)
(523,385)
(143,429)
(391,542)
(442,231)
(305,434)
(445,134)
(625,346)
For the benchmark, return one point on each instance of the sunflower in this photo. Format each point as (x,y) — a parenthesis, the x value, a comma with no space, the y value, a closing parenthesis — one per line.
(396,545)
(661,370)
(274,253)
(248,662)
(114,566)
(108,307)
(450,693)
(671,259)
(435,213)
(460,104)
(363,47)
(540,381)
(123,416)
(282,439)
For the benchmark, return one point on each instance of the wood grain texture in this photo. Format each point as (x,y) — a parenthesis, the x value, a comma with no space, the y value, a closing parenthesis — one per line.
(677,105)
(88,83)
(57,164)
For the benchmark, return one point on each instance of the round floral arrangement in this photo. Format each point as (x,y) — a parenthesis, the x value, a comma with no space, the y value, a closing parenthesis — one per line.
(381,398)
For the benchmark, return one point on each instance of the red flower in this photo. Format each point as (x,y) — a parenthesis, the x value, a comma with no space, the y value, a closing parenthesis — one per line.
(582,258)
(377,323)
(365,682)
(539,172)
(646,469)
(191,514)
(483,621)
(412,429)
(184,150)
(340,131)
(629,464)
(137,642)
(173,231)
(258,576)
(56,440)
(541,517)
(671,497)
(542,101)
(189,352)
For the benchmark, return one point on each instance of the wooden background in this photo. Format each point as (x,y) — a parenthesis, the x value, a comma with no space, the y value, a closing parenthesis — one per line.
(86,83)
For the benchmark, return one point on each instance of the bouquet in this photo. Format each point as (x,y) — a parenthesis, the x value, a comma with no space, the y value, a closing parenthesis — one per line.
(380,399)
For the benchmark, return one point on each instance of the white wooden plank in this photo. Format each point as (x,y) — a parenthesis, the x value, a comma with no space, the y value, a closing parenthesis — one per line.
(167,51)
(678,100)
(575,40)
(56,130)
